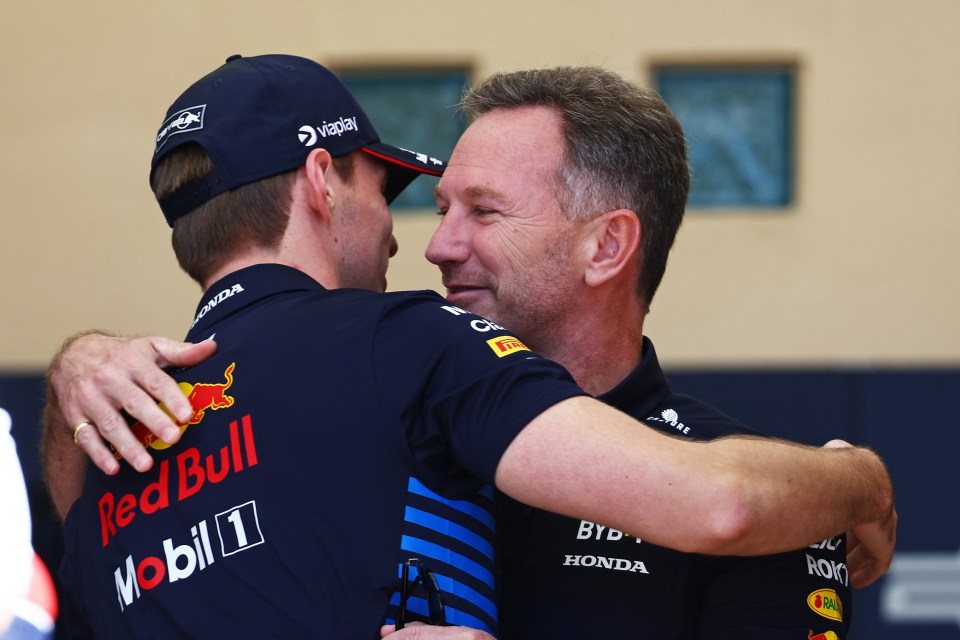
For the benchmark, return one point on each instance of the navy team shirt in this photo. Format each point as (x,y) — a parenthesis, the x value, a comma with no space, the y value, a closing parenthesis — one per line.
(337,434)
(567,578)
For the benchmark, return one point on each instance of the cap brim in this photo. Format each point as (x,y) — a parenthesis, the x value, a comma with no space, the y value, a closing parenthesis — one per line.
(403,166)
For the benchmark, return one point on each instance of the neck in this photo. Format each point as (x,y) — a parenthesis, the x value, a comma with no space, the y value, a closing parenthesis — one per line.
(304,247)
(323,276)
(599,344)
(248,259)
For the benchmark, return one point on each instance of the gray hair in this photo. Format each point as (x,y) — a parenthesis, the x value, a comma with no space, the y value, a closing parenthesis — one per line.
(624,149)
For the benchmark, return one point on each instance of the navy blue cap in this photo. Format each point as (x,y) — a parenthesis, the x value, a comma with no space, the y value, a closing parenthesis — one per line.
(262,116)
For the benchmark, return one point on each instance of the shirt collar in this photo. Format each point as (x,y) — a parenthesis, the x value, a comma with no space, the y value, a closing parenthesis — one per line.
(242,288)
(646,386)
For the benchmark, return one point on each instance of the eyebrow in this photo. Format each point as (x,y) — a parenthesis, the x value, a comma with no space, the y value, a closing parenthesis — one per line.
(476,192)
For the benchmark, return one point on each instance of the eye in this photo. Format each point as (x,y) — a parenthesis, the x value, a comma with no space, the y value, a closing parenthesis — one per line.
(442,211)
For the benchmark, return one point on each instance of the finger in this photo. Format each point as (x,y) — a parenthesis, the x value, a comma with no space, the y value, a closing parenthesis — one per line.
(89,440)
(837,444)
(872,564)
(140,400)
(864,577)
(127,446)
(163,352)
(173,353)
(412,631)
(856,559)
(147,413)
(853,543)
(132,380)
(871,558)
(112,427)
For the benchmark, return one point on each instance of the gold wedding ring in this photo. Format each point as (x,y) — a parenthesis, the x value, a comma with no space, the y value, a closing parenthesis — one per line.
(77,429)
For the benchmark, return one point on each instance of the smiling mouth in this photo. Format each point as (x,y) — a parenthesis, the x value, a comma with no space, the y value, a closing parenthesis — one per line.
(461,288)
(463,295)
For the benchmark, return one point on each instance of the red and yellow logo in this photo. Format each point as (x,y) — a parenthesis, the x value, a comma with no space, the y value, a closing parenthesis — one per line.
(202,396)
(826,635)
(505,345)
(825,602)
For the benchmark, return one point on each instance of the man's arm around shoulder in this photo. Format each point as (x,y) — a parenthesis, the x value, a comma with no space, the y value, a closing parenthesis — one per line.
(730,496)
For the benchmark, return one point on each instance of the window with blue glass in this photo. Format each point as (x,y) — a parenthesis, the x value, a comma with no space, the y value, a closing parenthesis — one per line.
(413,109)
(739,127)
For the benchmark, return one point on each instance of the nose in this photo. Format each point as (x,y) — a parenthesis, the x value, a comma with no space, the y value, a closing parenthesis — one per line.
(448,243)
(393,245)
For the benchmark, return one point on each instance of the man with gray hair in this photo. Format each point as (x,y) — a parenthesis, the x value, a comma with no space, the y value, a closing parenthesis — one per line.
(559,208)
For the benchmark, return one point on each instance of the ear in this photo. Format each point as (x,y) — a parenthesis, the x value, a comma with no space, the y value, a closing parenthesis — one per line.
(318,170)
(613,244)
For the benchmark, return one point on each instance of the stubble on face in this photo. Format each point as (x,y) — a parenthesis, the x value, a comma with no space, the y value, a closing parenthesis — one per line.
(532,299)
(538,302)
(366,228)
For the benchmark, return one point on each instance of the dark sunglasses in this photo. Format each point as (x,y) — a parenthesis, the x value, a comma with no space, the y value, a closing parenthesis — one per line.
(428,580)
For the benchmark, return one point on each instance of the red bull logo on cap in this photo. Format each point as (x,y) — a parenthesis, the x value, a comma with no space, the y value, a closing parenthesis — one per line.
(826,603)
(203,396)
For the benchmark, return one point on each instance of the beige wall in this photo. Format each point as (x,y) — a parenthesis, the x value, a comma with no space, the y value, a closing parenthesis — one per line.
(863,269)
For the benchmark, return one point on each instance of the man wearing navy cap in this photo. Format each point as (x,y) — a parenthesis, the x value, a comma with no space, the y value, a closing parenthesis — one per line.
(340,439)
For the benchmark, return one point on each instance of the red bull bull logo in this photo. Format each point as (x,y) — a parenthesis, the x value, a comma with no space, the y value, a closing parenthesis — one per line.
(826,635)
(203,396)
(505,345)
(826,603)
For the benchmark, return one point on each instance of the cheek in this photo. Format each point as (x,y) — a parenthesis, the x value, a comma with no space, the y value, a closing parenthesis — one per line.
(494,247)
(380,223)
(520,251)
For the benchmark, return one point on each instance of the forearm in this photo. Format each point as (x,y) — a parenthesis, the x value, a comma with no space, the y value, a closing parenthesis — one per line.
(743,496)
(793,495)
(588,461)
